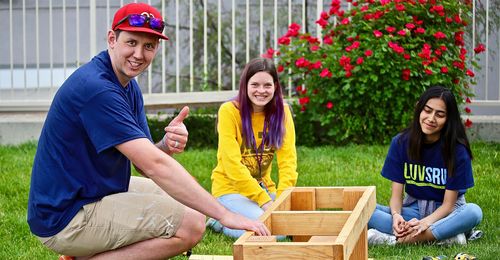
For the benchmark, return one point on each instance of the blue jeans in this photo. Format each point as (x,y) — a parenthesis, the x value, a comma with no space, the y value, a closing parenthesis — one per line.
(242,205)
(461,220)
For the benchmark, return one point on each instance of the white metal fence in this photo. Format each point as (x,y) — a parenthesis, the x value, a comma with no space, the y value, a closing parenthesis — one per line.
(43,41)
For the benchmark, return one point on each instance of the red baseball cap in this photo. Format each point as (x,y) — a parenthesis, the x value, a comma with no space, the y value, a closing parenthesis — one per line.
(120,21)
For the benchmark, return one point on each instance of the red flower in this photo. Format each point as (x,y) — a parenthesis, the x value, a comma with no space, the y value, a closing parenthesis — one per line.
(324,15)
(328,40)
(269,54)
(284,40)
(400,8)
(480,48)
(468,123)
(469,73)
(321,22)
(402,32)
(439,35)
(436,8)
(444,70)
(345,21)
(467,100)
(448,20)
(294,27)
(303,100)
(329,105)
(406,56)
(344,60)
(348,74)
(325,73)
(280,68)
(377,33)
(359,61)
(314,48)
(467,110)
(390,29)
(316,65)
(428,71)
(410,26)
(459,65)
(420,30)
(368,53)
(302,62)
(394,46)
(405,74)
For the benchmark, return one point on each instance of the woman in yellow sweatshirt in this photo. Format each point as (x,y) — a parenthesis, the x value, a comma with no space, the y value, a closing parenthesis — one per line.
(252,128)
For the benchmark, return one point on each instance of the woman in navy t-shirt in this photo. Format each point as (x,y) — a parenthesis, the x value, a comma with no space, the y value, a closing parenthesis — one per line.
(431,162)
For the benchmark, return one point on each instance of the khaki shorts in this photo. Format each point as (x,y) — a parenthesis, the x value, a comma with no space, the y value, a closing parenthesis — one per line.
(118,220)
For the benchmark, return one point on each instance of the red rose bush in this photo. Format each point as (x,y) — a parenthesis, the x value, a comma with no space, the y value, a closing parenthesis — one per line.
(359,81)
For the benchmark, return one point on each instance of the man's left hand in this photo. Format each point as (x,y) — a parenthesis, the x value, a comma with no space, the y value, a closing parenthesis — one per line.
(176,133)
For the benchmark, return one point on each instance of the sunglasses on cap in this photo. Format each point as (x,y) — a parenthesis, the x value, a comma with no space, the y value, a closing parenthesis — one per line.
(138,20)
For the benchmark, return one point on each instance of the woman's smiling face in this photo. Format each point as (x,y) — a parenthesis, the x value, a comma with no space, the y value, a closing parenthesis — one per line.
(432,119)
(260,90)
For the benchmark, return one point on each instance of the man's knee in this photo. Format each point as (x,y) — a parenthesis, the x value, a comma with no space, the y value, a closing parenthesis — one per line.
(192,227)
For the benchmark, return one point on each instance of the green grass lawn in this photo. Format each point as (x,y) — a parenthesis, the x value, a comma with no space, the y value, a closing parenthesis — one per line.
(324,166)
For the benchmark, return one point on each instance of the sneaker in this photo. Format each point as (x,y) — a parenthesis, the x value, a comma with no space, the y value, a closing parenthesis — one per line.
(458,239)
(214,225)
(376,237)
(474,234)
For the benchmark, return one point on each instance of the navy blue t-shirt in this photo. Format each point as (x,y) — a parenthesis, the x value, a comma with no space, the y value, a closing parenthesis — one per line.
(428,179)
(76,162)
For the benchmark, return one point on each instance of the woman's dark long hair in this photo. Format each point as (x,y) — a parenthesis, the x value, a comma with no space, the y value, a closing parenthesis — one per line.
(453,131)
(274,110)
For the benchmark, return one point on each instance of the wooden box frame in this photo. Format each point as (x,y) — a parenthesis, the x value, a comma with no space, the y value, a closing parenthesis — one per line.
(324,222)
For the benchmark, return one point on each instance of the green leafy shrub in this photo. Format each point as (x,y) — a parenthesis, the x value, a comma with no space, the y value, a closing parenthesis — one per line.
(360,81)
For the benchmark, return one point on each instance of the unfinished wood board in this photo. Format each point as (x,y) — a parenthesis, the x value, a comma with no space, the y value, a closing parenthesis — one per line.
(329,222)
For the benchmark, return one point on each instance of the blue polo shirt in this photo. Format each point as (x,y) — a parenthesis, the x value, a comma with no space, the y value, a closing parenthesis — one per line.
(76,162)
(427,179)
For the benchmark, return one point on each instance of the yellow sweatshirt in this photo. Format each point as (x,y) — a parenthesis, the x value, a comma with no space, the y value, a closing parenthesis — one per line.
(237,170)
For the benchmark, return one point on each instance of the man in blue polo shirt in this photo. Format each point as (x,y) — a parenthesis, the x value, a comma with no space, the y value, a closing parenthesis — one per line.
(83,200)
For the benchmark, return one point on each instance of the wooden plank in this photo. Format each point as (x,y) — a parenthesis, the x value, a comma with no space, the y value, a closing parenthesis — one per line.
(261,239)
(312,223)
(238,245)
(326,239)
(357,221)
(329,197)
(303,199)
(283,202)
(300,238)
(351,198)
(288,250)
(360,251)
